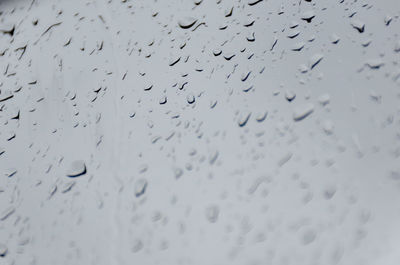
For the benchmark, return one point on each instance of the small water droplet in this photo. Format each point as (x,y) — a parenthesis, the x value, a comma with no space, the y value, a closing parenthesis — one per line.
(140,187)
(302,112)
(358,25)
(314,60)
(308,16)
(3,250)
(190,98)
(7,213)
(212,213)
(308,236)
(290,95)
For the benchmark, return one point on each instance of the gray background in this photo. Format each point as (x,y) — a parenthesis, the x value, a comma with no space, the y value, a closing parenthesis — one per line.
(181,183)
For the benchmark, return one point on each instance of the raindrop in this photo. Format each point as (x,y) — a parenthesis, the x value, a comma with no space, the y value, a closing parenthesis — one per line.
(375,63)
(358,25)
(76,169)
(273,43)
(217,52)
(329,192)
(68,186)
(293,24)
(334,38)
(308,237)
(387,20)
(284,159)
(190,98)
(229,12)
(229,56)
(308,16)
(303,112)
(397,46)
(315,59)
(244,118)
(298,46)
(137,245)
(187,22)
(163,100)
(212,213)
(4,96)
(254,2)
(140,187)
(7,213)
(328,127)
(213,157)
(3,250)
(178,172)
(174,61)
(324,99)
(261,116)
(290,96)
(245,76)
(293,34)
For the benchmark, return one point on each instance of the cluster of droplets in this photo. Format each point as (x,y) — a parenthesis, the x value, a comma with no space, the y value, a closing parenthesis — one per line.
(176,129)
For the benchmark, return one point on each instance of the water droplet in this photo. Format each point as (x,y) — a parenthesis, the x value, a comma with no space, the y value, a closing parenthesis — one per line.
(284,159)
(358,25)
(140,187)
(298,46)
(244,118)
(290,96)
(302,112)
(308,16)
(68,186)
(397,46)
(137,245)
(213,157)
(3,250)
(375,63)
(308,237)
(163,100)
(324,99)
(178,172)
(387,20)
(329,192)
(212,213)
(7,213)
(261,116)
(254,2)
(315,60)
(328,127)
(293,34)
(190,98)
(334,38)
(76,169)
(187,22)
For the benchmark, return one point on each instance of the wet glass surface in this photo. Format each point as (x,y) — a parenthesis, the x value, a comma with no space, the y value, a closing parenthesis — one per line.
(252,132)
